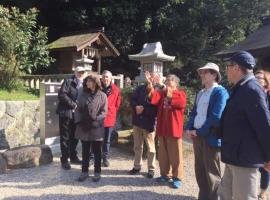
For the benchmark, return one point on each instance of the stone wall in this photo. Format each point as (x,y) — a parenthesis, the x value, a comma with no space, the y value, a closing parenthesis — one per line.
(20,121)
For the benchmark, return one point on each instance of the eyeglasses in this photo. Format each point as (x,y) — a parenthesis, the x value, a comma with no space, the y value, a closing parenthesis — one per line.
(230,65)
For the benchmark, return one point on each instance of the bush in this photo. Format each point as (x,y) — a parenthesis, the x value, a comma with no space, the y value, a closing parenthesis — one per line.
(22,45)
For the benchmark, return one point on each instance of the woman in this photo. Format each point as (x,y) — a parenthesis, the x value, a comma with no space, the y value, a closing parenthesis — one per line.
(171,102)
(263,78)
(92,106)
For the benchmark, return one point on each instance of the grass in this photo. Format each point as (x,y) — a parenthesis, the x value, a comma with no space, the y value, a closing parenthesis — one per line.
(18,95)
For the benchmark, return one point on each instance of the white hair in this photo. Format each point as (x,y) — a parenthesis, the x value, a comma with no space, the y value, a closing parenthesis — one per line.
(107,72)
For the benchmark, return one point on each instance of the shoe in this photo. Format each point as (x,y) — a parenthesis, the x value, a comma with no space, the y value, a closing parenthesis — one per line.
(164,179)
(96,177)
(83,176)
(150,174)
(66,166)
(176,183)
(134,171)
(106,162)
(75,161)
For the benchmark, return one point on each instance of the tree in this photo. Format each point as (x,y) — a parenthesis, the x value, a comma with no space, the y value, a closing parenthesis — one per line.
(22,45)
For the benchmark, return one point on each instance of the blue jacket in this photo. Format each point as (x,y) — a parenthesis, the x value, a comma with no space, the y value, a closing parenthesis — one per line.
(245,125)
(146,120)
(216,106)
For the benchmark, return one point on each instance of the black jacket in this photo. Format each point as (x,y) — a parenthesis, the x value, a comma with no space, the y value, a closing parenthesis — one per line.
(146,120)
(67,96)
(245,125)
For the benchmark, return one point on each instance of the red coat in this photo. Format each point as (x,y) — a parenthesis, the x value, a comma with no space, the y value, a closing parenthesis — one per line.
(170,117)
(114,101)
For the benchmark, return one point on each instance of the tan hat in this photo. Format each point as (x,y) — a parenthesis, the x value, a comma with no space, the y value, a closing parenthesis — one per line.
(78,69)
(212,66)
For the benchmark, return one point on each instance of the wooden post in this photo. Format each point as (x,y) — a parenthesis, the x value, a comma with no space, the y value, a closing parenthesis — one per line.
(121,84)
(99,64)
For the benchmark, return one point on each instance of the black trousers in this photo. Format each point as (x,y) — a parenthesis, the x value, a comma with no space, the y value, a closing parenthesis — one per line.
(96,148)
(68,143)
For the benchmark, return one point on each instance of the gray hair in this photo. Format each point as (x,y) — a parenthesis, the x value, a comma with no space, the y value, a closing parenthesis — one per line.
(174,78)
(107,72)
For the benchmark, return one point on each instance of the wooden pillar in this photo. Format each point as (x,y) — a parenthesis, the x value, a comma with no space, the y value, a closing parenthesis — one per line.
(99,64)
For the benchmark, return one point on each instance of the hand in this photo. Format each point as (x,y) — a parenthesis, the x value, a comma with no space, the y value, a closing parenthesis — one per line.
(193,134)
(158,79)
(187,133)
(148,77)
(139,109)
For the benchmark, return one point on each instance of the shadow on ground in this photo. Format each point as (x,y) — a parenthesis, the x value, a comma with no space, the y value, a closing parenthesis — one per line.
(146,195)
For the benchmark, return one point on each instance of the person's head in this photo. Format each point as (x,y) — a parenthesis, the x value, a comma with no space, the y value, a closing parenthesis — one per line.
(79,72)
(239,65)
(127,81)
(106,78)
(172,81)
(263,78)
(91,83)
(209,74)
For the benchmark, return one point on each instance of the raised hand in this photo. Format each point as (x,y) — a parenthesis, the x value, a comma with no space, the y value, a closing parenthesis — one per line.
(158,79)
(148,77)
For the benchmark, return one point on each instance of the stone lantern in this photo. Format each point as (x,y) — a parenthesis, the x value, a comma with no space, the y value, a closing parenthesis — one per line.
(151,58)
(85,62)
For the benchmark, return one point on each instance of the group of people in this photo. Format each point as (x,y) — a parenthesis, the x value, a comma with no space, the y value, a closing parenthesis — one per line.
(87,112)
(232,127)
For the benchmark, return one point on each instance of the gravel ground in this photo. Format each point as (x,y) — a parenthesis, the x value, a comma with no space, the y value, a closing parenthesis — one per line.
(51,182)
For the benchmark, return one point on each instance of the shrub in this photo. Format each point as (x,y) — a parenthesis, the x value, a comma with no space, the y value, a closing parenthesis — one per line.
(22,45)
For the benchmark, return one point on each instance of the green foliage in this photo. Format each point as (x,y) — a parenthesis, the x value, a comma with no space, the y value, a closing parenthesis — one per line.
(22,45)
(192,30)
(18,94)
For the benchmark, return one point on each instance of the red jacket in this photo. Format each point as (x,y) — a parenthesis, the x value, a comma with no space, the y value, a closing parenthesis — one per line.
(114,101)
(170,117)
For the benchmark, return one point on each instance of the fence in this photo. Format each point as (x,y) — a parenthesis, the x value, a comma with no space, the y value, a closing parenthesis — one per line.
(33,81)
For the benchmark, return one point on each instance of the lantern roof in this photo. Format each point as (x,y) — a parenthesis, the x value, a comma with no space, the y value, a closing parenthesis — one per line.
(152,51)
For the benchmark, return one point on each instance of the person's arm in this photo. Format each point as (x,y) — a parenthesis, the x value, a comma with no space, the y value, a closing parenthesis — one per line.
(118,100)
(259,118)
(63,95)
(214,116)
(103,109)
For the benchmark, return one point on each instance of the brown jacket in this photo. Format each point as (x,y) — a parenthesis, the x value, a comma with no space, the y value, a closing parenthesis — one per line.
(92,109)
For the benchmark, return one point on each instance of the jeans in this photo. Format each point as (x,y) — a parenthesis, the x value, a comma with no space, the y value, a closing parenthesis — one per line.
(107,142)
(96,148)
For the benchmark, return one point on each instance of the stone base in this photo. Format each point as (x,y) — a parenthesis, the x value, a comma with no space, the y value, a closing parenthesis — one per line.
(28,156)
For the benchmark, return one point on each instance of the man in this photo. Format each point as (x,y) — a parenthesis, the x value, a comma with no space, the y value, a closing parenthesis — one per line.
(208,107)
(245,131)
(143,120)
(114,101)
(67,96)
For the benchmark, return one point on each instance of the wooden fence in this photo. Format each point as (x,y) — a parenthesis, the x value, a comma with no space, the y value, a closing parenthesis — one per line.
(33,81)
